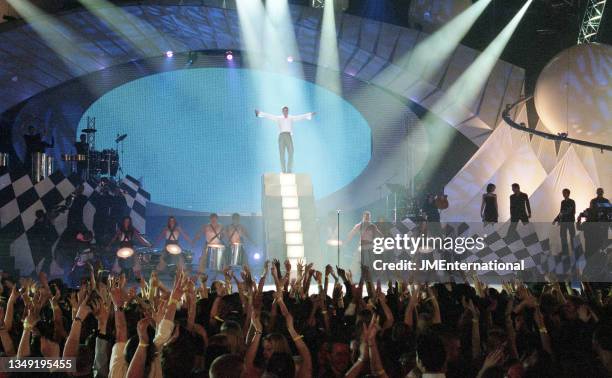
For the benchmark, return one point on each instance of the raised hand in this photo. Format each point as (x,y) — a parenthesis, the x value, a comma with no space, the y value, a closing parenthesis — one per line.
(371,330)
(141,329)
(493,359)
(287,265)
(318,277)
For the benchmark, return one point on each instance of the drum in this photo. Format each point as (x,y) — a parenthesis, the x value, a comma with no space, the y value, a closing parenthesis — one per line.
(237,256)
(4,160)
(42,166)
(109,162)
(188,257)
(215,257)
(80,157)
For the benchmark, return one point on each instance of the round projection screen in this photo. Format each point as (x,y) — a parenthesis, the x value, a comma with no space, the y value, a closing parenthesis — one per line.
(194,141)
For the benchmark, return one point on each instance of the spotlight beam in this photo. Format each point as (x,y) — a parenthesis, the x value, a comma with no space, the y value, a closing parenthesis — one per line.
(56,35)
(430,55)
(328,49)
(468,86)
(466,89)
(124,24)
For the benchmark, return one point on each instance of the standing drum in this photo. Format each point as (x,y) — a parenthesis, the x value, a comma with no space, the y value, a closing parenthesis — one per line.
(237,257)
(215,257)
(42,166)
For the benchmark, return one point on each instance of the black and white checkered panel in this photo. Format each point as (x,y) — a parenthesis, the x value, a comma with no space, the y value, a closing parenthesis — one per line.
(19,201)
(136,199)
(90,190)
(525,246)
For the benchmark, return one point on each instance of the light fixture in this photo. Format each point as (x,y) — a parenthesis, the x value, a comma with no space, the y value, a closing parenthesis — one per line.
(173,247)
(229,55)
(169,53)
(125,250)
(256,256)
(290,59)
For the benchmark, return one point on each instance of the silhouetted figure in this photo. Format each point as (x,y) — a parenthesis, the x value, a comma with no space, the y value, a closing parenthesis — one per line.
(565,219)
(34,143)
(42,236)
(82,148)
(488,209)
(75,212)
(520,209)
(599,199)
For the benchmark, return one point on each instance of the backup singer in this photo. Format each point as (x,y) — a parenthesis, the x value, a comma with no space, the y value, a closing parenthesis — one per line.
(171,233)
(285,132)
(34,143)
(212,254)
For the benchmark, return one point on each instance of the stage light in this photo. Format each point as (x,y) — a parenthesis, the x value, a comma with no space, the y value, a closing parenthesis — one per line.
(229,55)
(169,54)
(289,190)
(291,214)
(125,250)
(293,226)
(287,179)
(290,202)
(290,59)
(173,247)
(294,238)
(295,251)
(256,256)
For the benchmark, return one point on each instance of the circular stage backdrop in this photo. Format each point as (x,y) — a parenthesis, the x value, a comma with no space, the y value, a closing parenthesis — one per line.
(194,138)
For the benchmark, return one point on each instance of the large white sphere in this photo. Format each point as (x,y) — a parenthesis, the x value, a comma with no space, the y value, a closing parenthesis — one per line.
(574,93)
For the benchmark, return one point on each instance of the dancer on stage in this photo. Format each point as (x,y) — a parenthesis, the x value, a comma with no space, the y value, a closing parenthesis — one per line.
(234,234)
(285,130)
(367,232)
(212,253)
(171,233)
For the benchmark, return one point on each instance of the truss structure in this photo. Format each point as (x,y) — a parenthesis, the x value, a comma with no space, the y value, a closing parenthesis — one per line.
(591,21)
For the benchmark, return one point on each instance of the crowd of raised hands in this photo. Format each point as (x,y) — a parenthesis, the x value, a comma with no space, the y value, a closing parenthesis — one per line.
(279,324)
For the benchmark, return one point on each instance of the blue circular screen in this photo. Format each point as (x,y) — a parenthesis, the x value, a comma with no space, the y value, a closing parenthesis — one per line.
(195,142)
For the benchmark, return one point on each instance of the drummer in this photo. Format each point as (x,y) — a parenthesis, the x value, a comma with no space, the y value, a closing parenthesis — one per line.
(34,143)
(171,233)
(213,232)
(82,150)
(127,233)
(234,234)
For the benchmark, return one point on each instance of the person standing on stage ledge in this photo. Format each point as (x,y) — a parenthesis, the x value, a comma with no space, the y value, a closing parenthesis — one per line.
(212,254)
(285,129)
(565,219)
(520,209)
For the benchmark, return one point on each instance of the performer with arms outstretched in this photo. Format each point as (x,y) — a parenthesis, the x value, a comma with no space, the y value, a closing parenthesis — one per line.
(285,130)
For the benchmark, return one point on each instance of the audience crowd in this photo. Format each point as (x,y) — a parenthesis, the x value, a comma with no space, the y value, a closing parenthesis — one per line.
(239,328)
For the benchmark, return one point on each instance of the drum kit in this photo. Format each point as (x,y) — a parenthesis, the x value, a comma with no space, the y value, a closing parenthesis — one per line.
(97,163)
